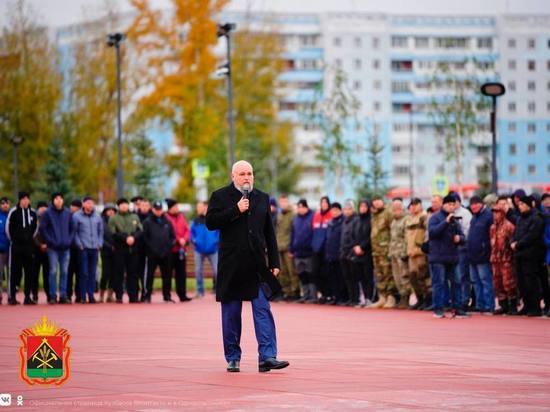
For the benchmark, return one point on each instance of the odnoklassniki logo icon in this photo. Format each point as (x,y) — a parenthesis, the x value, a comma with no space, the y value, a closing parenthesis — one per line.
(44,354)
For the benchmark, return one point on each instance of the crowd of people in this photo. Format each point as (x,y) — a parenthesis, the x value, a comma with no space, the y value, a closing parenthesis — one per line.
(376,254)
(67,244)
(449,257)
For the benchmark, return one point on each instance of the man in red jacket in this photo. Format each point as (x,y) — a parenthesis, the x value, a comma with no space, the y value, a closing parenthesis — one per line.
(177,254)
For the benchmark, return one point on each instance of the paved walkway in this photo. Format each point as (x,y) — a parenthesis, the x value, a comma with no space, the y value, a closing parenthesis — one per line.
(169,357)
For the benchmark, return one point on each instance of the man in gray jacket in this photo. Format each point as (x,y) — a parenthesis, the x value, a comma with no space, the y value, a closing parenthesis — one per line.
(89,241)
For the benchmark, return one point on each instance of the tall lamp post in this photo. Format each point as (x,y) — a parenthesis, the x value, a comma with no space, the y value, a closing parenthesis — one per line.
(15,140)
(114,40)
(224,30)
(493,90)
(411,153)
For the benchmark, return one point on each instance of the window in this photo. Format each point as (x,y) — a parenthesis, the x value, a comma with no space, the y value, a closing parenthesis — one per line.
(531,85)
(440,170)
(548,85)
(401,170)
(531,43)
(512,86)
(512,64)
(376,64)
(400,127)
(548,148)
(485,43)
(548,127)
(512,107)
(512,127)
(376,106)
(377,84)
(531,107)
(451,42)
(548,107)
(399,41)
(357,64)
(531,148)
(375,42)
(512,149)
(531,128)
(511,43)
(532,169)
(401,65)
(512,170)
(338,63)
(421,42)
(337,42)
(357,41)
(531,65)
(400,87)
(356,85)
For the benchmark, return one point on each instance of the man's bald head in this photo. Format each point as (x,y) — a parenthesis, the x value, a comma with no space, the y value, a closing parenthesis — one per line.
(242,173)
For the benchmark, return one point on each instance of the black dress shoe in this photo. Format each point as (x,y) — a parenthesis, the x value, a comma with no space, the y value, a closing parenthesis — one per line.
(185,299)
(29,301)
(272,363)
(13,301)
(234,366)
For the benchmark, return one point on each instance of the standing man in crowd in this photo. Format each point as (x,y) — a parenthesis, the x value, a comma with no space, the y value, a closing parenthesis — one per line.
(107,256)
(380,241)
(398,253)
(126,228)
(321,218)
(89,240)
(178,254)
(346,254)
(206,244)
(361,254)
(42,262)
(158,237)
(416,228)
(445,237)
(73,276)
(336,290)
(57,229)
(504,278)
(4,240)
(241,213)
(287,277)
(463,266)
(143,211)
(529,249)
(479,255)
(301,252)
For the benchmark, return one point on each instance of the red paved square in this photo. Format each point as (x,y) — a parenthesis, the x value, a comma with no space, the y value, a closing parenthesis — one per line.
(169,357)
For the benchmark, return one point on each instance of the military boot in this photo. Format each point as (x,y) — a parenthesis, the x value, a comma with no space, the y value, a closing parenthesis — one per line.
(390,302)
(379,303)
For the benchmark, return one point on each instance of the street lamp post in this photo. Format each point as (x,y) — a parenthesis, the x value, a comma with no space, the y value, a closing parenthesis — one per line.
(15,141)
(114,40)
(411,154)
(224,30)
(493,90)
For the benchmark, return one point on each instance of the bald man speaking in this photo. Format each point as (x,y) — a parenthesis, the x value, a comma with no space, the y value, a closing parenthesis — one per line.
(248,265)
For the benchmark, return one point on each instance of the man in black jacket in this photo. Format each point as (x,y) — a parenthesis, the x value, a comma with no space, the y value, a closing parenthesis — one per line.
(21,228)
(158,237)
(346,254)
(528,245)
(242,214)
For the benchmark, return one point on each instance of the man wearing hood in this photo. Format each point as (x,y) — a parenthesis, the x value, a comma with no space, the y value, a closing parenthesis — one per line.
(320,222)
(336,291)
(57,229)
(362,252)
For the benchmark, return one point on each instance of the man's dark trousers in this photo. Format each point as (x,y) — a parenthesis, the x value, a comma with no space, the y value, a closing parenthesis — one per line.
(264,327)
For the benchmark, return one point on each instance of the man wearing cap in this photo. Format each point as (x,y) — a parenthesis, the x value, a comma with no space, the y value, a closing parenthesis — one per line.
(158,237)
(300,250)
(178,254)
(398,253)
(57,229)
(248,265)
(416,227)
(336,290)
(126,228)
(445,237)
(528,246)
(478,245)
(89,240)
(107,256)
(504,278)
(142,208)
(463,266)
(4,240)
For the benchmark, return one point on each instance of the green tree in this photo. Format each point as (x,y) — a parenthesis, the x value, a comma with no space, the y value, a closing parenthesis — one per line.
(459,115)
(375,179)
(54,175)
(147,167)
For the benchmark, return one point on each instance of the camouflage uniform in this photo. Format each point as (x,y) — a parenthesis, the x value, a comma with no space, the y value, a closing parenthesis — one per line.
(504,279)
(398,255)
(288,279)
(380,241)
(416,230)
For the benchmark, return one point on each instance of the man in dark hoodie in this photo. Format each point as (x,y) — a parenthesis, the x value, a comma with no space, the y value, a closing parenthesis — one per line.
(107,256)
(21,227)
(528,246)
(321,219)
(73,276)
(336,291)
(346,254)
(300,250)
(362,252)
(57,229)
(42,262)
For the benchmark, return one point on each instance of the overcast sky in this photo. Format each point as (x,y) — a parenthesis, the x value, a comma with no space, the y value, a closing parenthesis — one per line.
(63,12)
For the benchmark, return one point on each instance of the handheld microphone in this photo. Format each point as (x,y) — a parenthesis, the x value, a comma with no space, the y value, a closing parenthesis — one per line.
(246,190)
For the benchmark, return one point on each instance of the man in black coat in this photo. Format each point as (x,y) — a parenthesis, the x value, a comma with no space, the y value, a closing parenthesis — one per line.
(243,217)
(158,237)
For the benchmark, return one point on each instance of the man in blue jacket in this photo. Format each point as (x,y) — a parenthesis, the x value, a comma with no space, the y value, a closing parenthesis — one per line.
(479,254)
(88,238)
(206,246)
(4,241)
(445,236)
(57,229)
(301,251)
(336,288)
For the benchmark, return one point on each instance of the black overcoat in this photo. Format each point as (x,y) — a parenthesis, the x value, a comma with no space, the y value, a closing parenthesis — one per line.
(248,246)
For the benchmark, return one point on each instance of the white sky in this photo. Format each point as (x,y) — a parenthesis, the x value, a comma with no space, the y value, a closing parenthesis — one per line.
(63,12)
